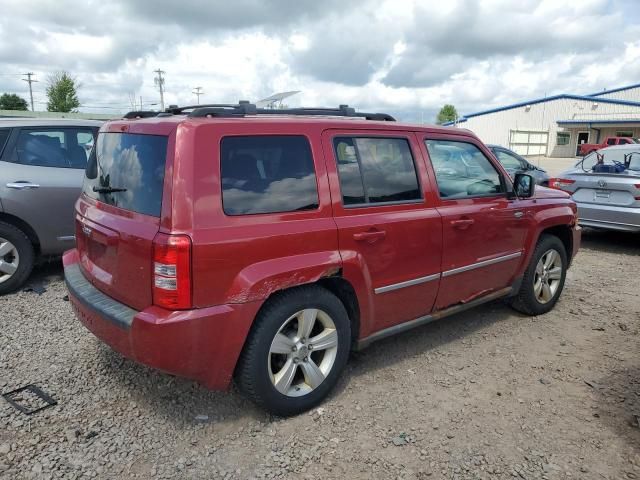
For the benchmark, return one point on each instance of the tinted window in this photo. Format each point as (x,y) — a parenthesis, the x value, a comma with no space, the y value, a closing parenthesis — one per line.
(508,160)
(4,136)
(611,141)
(267,174)
(60,148)
(375,170)
(462,170)
(127,171)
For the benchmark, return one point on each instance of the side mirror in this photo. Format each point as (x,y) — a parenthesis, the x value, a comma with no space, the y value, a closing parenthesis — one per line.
(524,185)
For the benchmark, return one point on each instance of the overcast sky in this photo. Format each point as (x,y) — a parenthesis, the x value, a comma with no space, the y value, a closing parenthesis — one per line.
(407,58)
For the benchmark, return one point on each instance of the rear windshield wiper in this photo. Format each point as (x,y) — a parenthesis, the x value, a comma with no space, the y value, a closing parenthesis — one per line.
(108,189)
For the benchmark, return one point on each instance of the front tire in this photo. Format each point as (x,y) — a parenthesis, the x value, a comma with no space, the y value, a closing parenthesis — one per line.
(296,351)
(16,258)
(544,278)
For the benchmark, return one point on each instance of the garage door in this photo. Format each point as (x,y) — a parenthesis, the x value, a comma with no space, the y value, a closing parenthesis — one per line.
(529,142)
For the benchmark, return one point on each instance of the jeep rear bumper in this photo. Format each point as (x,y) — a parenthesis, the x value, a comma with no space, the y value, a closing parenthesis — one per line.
(201,344)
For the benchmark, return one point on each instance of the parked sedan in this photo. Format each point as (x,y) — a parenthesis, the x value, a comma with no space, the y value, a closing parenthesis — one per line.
(514,163)
(42,164)
(606,200)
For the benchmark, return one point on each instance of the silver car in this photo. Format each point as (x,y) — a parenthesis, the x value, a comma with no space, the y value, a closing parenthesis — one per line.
(606,200)
(42,165)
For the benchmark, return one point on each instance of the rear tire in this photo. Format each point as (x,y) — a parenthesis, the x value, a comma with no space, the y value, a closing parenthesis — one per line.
(296,351)
(17,258)
(544,278)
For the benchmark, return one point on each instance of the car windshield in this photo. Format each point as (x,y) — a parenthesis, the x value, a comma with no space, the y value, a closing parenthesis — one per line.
(610,157)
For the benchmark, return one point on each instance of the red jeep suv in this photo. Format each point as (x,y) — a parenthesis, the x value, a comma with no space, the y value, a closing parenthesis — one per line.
(228,242)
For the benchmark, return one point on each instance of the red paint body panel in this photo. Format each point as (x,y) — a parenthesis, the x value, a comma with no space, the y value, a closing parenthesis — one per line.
(239,261)
(411,247)
(180,342)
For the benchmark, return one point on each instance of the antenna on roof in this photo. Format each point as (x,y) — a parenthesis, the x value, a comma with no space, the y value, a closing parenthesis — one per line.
(275,100)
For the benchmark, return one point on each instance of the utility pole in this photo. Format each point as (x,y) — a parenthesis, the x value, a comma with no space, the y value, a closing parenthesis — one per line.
(197,91)
(159,81)
(30,80)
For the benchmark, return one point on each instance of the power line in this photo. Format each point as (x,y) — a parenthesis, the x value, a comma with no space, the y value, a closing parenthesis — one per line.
(29,80)
(159,81)
(197,91)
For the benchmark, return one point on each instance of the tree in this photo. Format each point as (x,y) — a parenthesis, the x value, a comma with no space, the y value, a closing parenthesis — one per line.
(448,113)
(11,101)
(62,94)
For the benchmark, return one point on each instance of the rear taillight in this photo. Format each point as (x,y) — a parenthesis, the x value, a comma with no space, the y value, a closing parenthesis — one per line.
(637,185)
(172,271)
(560,183)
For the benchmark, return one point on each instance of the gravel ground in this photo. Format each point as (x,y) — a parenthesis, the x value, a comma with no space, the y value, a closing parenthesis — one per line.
(486,394)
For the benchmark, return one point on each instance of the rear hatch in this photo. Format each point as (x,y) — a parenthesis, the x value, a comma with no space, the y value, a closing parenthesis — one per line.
(118,214)
(617,190)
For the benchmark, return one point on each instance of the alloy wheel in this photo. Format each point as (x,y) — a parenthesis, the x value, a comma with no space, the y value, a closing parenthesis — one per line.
(9,259)
(303,352)
(548,275)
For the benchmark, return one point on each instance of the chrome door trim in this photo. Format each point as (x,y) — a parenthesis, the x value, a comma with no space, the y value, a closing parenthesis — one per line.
(67,238)
(484,263)
(408,283)
(460,307)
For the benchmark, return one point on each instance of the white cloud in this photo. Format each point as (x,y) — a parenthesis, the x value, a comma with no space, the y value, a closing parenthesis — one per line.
(402,56)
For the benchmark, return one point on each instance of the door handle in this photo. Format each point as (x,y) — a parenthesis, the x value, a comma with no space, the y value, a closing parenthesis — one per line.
(518,214)
(22,185)
(371,236)
(462,223)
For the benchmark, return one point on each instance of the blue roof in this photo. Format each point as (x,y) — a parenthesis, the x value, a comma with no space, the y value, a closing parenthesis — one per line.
(453,122)
(592,121)
(613,90)
(549,99)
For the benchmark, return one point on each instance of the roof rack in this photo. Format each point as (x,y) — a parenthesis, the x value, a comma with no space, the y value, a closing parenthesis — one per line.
(244,108)
(141,114)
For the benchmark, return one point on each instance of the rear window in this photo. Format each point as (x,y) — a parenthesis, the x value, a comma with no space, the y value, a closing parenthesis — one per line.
(127,171)
(611,157)
(267,174)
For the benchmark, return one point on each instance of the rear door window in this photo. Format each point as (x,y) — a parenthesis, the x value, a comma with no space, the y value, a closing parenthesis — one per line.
(52,147)
(267,174)
(376,170)
(127,171)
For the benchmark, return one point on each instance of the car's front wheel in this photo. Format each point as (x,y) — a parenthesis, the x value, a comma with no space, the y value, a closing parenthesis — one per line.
(16,258)
(544,278)
(296,350)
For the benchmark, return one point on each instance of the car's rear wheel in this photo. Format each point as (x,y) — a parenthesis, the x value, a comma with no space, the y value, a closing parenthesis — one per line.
(296,351)
(544,278)
(16,258)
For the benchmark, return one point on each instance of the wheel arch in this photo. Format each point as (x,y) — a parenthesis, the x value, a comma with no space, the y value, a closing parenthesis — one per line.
(563,232)
(345,292)
(338,286)
(24,226)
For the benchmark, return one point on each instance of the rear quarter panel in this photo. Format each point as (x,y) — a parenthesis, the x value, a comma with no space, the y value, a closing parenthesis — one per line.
(245,258)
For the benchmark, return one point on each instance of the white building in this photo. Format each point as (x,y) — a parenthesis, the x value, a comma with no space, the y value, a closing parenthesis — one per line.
(555,126)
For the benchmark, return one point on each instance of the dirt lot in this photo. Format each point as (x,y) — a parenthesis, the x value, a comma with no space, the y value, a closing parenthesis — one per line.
(486,394)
